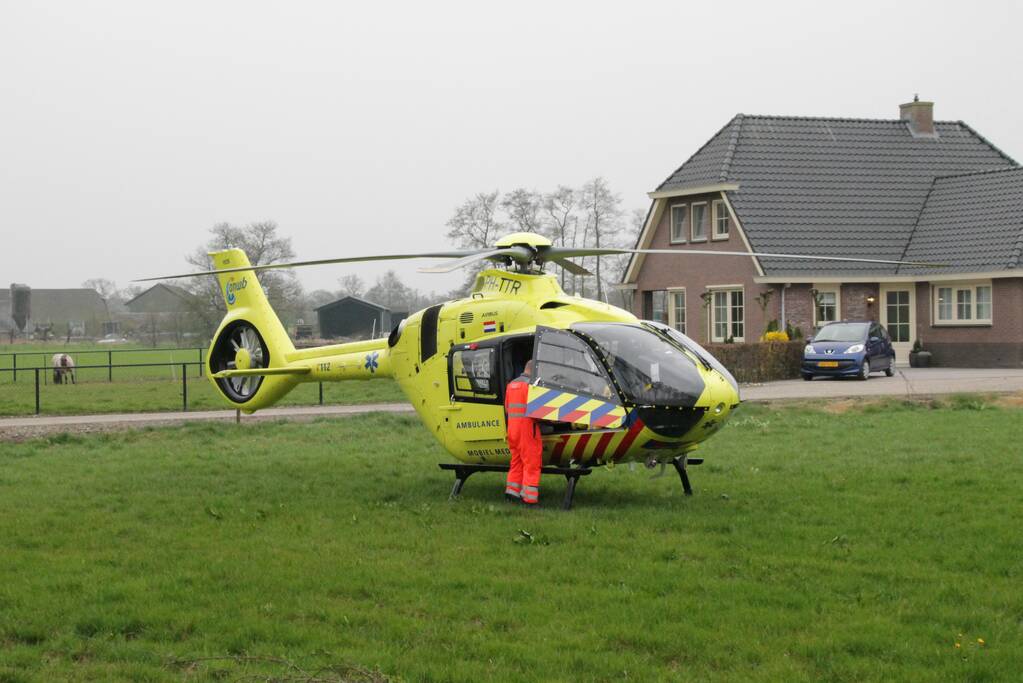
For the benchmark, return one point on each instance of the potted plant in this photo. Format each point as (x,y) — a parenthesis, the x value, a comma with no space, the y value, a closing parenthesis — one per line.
(918,358)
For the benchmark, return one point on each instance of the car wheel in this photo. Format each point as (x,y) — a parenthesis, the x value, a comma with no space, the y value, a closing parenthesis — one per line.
(807,378)
(889,371)
(865,370)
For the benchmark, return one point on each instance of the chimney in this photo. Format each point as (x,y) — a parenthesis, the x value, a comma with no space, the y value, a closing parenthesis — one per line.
(920,116)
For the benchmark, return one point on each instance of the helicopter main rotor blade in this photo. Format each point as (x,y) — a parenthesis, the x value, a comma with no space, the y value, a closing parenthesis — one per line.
(460,253)
(562,252)
(571,267)
(517,254)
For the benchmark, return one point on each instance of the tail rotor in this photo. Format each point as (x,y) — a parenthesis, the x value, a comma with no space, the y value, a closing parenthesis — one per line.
(239,346)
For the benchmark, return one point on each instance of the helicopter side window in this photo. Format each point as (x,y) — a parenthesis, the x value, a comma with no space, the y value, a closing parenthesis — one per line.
(473,374)
(564,361)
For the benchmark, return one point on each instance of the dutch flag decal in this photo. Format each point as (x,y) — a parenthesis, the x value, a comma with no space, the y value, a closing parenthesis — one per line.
(489,326)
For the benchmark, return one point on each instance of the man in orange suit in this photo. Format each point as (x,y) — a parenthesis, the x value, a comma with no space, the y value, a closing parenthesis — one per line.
(523,482)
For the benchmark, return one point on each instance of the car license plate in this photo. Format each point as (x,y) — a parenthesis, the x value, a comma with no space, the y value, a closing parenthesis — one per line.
(828,364)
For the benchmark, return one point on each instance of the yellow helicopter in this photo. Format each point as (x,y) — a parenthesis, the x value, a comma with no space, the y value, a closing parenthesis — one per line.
(607,387)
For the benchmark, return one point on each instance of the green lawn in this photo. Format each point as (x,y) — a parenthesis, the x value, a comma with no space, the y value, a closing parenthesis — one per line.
(843,547)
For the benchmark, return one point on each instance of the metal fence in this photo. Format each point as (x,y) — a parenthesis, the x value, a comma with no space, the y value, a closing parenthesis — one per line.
(22,362)
(40,376)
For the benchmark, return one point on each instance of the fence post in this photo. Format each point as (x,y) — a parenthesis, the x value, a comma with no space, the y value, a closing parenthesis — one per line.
(37,391)
(184,387)
(15,368)
(321,393)
(110,366)
(200,360)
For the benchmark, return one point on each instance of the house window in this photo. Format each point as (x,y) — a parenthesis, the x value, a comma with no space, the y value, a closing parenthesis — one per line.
(677,312)
(984,302)
(721,220)
(966,304)
(699,222)
(826,307)
(678,223)
(945,303)
(727,315)
(657,306)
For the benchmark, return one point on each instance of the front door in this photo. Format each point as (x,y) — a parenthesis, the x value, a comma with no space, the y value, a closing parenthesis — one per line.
(898,308)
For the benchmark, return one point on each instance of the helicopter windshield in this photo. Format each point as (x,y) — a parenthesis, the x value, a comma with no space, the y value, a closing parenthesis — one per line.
(694,348)
(649,369)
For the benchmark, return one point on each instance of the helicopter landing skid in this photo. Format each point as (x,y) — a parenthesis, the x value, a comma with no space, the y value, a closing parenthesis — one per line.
(464,471)
(680,463)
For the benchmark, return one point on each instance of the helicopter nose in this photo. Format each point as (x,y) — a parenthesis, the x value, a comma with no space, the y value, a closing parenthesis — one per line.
(724,395)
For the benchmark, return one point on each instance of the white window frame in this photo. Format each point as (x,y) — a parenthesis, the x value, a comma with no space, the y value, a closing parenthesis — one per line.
(672,317)
(729,321)
(653,306)
(828,289)
(681,237)
(692,223)
(719,207)
(956,320)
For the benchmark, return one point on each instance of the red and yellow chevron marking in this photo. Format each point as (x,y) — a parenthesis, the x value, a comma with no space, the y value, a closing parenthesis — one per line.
(563,406)
(590,447)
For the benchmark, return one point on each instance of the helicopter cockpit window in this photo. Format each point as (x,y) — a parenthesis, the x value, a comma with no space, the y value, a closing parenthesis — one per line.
(649,370)
(473,374)
(564,361)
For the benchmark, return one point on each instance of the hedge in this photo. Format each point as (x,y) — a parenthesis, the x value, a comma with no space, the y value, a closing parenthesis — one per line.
(761,361)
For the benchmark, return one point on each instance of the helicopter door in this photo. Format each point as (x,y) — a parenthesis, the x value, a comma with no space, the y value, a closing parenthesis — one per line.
(474,382)
(570,384)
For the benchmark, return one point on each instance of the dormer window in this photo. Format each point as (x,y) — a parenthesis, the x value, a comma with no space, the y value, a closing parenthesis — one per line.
(722,220)
(699,222)
(679,223)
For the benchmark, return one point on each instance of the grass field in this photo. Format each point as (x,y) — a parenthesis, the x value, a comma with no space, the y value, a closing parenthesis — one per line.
(145,389)
(40,355)
(154,395)
(852,545)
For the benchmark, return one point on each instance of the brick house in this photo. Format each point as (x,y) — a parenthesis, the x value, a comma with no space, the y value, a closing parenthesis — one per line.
(901,189)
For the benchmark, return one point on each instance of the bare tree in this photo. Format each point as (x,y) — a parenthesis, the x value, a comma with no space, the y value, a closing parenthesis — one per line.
(603,214)
(560,219)
(107,289)
(637,219)
(351,285)
(263,246)
(475,223)
(525,209)
(390,291)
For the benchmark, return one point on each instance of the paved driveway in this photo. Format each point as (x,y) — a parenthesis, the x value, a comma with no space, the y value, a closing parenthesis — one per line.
(906,382)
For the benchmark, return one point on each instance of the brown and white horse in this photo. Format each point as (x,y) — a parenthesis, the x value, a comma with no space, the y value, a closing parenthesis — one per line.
(63,369)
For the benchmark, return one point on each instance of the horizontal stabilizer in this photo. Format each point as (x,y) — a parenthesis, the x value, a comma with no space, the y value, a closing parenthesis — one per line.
(259,372)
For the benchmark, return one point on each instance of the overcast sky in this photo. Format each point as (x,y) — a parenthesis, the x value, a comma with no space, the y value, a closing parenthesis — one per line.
(127,129)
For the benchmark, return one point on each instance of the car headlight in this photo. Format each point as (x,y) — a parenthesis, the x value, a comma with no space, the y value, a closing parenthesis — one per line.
(808,349)
(855,348)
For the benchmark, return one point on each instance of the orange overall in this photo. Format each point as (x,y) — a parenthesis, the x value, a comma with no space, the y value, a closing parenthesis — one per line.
(525,444)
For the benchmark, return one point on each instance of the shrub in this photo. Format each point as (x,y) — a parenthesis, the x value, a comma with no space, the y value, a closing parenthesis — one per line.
(775,336)
(762,361)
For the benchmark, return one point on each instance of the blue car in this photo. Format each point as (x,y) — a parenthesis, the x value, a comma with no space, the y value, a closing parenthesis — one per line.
(849,349)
